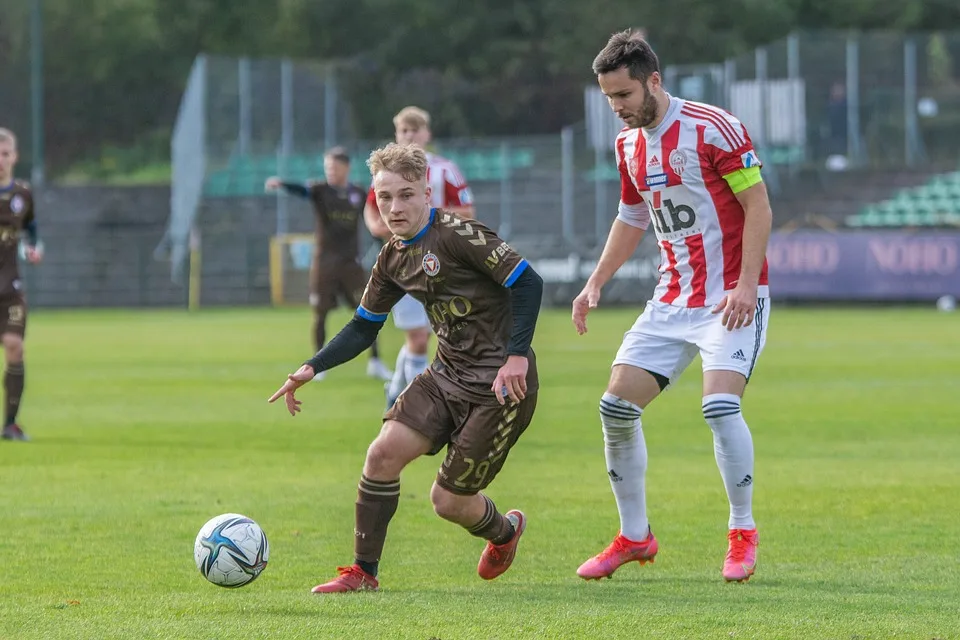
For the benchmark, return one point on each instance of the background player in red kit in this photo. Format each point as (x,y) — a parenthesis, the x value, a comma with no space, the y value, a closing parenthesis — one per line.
(690,170)
(448,190)
(477,397)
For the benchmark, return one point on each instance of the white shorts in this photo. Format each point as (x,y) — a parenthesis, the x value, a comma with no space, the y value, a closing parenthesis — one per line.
(409,314)
(665,339)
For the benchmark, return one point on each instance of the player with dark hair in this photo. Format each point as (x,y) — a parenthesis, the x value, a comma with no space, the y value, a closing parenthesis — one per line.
(477,397)
(691,171)
(17,216)
(335,271)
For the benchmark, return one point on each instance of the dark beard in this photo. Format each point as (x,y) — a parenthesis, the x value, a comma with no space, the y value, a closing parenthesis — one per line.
(648,112)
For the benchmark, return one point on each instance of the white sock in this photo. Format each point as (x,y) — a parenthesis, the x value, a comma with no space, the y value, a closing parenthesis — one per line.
(399,381)
(415,364)
(626,454)
(733,447)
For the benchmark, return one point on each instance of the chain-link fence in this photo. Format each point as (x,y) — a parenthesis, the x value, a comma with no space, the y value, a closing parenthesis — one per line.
(841,99)
(827,100)
(242,121)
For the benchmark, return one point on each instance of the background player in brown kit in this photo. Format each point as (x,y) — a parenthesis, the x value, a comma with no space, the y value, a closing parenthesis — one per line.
(477,397)
(335,270)
(16,217)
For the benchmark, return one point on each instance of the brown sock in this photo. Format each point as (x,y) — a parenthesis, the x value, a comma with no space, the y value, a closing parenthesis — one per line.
(493,526)
(377,501)
(13,386)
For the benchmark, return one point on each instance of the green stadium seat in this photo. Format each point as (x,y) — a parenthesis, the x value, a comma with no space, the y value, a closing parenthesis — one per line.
(872,219)
(522,159)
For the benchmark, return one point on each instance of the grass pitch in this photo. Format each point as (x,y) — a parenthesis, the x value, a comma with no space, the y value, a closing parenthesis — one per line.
(146,424)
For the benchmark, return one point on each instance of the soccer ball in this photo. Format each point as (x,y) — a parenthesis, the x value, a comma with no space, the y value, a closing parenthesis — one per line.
(231,550)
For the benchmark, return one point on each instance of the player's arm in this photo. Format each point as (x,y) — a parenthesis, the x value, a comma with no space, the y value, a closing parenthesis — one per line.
(294,188)
(732,155)
(526,294)
(34,248)
(356,337)
(477,246)
(371,217)
(624,238)
(457,194)
(360,333)
(739,305)
(752,194)
(633,218)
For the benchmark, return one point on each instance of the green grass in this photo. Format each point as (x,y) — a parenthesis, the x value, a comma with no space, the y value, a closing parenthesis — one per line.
(147,424)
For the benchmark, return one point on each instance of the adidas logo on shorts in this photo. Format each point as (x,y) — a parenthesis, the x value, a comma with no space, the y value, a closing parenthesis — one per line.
(739,355)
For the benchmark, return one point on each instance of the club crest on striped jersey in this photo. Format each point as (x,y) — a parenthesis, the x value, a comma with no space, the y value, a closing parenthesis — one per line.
(678,161)
(431,264)
(633,166)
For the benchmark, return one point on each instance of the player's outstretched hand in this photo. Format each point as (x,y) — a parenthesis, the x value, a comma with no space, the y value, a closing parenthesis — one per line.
(302,376)
(272,183)
(511,380)
(588,299)
(738,307)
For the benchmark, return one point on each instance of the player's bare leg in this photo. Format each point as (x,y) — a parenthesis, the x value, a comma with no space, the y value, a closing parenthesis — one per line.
(411,362)
(479,516)
(13,381)
(733,447)
(629,391)
(378,496)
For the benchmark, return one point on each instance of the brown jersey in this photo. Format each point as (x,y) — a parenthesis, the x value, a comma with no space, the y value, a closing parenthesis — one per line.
(16,212)
(339,216)
(460,270)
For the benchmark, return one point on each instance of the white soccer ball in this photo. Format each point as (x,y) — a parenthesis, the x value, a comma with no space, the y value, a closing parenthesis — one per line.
(946,303)
(231,550)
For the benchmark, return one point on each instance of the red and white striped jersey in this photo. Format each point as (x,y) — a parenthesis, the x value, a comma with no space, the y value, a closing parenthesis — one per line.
(672,175)
(447,184)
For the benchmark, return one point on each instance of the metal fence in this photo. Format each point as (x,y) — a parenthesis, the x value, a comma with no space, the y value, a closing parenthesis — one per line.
(241,121)
(841,99)
(827,100)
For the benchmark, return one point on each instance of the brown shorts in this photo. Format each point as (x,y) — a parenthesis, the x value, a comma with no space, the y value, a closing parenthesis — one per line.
(333,279)
(13,316)
(478,437)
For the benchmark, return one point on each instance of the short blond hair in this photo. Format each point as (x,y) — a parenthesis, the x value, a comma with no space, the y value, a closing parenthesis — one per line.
(406,160)
(7,136)
(414,117)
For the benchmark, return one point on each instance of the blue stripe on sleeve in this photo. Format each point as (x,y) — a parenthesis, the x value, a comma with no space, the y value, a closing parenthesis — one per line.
(516,273)
(372,317)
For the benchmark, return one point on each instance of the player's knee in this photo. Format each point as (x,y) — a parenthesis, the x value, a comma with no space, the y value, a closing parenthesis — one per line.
(620,419)
(13,348)
(720,408)
(447,505)
(383,460)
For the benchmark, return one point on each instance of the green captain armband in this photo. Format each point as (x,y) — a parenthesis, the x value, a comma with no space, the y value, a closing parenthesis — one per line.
(743,179)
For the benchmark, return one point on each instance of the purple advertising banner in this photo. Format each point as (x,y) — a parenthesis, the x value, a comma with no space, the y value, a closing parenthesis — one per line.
(864,265)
